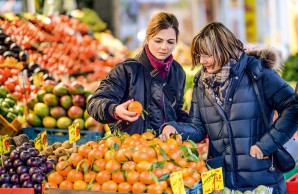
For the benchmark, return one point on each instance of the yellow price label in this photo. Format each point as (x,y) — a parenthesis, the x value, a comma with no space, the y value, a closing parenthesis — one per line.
(37,142)
(212,180)
(1,146)
(176,180)
(5,144)
(38,79)
(74,132)
(44,139)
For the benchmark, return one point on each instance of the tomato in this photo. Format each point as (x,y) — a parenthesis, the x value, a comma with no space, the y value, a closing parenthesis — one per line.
(135,106)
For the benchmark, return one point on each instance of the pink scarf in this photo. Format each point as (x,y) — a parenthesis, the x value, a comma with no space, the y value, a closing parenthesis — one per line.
(163,67)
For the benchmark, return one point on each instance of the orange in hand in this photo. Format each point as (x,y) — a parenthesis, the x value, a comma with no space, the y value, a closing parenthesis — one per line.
(135,106)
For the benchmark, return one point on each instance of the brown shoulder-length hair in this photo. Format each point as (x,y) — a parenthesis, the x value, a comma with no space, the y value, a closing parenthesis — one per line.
(218,41)
(161,21)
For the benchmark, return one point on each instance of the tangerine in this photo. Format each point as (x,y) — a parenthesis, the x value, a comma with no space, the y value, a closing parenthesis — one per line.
(135,106)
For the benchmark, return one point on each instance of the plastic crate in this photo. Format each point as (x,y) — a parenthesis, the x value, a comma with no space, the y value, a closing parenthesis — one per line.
(61,135)
(11,129)
(292,184)
(196,189)
(16,191)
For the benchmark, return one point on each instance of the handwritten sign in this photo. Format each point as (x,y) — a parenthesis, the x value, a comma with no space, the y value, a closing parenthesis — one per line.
(74,132)
(37,142)
(5,143)
(44,139)
(212,180)
(38,79)
(177,184)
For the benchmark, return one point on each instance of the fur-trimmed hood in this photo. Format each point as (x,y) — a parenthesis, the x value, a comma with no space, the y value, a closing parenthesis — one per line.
(271,56)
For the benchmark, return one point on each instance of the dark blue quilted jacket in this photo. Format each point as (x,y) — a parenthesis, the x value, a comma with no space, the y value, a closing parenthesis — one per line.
(242,110)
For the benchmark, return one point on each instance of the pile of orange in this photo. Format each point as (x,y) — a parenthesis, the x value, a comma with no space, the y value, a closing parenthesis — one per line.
(124,163)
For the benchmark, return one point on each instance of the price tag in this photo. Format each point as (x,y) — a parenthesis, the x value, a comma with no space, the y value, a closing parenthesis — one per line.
(74,132)
(212,180)
(176,180)
(44,139)
(5,144)
(38,78)
(1,146)
(37,142)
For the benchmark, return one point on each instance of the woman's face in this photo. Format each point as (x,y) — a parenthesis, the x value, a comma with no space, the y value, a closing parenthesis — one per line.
(209,63)
(162,44)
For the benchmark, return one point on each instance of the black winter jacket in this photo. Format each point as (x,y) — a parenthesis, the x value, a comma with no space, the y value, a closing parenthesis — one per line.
(242,110)
(131,80)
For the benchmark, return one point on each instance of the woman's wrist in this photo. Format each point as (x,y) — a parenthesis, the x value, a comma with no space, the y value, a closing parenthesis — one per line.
(115,114)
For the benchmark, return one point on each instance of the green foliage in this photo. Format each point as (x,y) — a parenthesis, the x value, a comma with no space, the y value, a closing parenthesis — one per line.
(290,70)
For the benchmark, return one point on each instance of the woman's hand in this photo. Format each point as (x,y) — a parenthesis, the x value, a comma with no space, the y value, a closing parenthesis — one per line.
(122,112)
(256,152)
(167,132)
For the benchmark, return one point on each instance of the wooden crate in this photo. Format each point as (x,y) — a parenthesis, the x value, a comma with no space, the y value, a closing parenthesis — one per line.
(11,129)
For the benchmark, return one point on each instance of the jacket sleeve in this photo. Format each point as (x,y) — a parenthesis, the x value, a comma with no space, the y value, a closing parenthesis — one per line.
(182,116)
(192,129)
(108,95)
(280,96)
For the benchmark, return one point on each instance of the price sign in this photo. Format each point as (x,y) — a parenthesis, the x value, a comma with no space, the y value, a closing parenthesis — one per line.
(212,180)
(1,146)
(37,142)
(74,132)
(44,139)
(177,184)
(38,79)
(5,144)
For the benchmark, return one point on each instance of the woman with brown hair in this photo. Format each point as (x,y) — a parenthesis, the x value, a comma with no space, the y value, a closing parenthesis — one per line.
(226,106)
(153,78)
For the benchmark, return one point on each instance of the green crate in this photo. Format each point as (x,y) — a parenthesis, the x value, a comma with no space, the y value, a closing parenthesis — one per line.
(61,135)
(291,173)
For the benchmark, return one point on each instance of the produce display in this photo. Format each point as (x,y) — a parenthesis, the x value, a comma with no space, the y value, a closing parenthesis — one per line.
(24,167)
(124,163)
(57,105)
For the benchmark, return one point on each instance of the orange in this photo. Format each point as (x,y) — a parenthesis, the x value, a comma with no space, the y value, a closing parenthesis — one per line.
(109,186)
(124,187)
(135,106)
(80,185)
(63,168)
(55,177)
(66,184)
